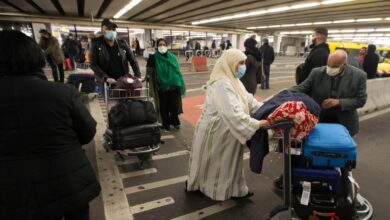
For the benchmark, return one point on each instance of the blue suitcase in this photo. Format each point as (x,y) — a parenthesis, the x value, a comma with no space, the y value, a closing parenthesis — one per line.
(330,145)
(320,178)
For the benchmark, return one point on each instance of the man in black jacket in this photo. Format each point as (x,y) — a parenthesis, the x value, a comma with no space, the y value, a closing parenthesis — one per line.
(317,57)
(268,55)
(110,55)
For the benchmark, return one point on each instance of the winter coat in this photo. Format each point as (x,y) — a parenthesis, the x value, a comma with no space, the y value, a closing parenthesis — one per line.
(250,78)
(44,172)
(52,49)
(100,57)
(370,63)
(268,54)
(317,57)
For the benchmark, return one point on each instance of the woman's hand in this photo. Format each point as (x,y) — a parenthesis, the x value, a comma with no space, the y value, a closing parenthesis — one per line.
(263,123)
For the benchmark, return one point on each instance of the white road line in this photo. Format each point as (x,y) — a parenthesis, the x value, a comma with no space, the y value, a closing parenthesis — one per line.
(203,213)
(157,157)
(116,206)
(152,205)
(165,137)
(154,185)
(138,173)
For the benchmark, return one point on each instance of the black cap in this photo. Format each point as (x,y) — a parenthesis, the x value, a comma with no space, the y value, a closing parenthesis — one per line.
(322,31)
(109,23)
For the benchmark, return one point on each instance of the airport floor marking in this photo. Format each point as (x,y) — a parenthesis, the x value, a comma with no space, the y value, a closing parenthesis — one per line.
(154,185)
(165,137)
(157,157)
(152,205)
(203,213)
(138,173)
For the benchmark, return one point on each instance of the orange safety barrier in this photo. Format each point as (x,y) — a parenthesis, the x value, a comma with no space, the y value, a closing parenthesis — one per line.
(199,64)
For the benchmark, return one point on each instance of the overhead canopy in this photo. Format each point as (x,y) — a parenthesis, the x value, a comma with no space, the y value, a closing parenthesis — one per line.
(257,15)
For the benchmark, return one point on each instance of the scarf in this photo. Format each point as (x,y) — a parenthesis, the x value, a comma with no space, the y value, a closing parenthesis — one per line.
(168,72)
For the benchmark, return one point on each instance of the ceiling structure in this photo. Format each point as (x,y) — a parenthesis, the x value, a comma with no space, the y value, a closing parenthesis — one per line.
(251,15)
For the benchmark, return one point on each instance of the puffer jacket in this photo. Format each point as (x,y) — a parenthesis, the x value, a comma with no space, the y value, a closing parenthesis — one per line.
(44,172)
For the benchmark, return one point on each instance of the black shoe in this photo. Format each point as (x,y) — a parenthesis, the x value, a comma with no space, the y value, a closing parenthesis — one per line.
(278,183)
(167,128)
(267,87)
(177,127)
(261,87)
(248,195)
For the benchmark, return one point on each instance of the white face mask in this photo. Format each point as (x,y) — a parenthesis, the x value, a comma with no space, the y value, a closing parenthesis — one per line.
(333,71)
(162,49)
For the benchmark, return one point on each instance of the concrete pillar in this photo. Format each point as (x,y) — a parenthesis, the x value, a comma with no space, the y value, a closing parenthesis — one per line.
(234,41)
(148,35)
(277,42)
(241,39)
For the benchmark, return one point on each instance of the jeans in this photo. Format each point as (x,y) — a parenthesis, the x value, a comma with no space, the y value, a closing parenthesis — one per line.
(56,68)
(265,82)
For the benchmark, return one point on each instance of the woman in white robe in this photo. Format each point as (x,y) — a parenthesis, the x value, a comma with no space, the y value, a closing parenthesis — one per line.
(216,162)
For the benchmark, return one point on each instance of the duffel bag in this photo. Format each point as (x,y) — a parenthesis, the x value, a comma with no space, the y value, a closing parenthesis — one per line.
(131,113)
(129,84)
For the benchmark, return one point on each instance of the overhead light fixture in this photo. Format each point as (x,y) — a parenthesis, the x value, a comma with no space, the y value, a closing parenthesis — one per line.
(127,8)
(387,19)
(280,9)
(382,29)
(365,30)
(274,26)
(251,28)
(262,27)
(361,35)
(328,2)
(368,19)
(347,31)
(322,22)
(375,35)
(344,21)
(305,32)
(294,32)
(253,13)
(305,5)
(303,24)
(333,31)
(287,25)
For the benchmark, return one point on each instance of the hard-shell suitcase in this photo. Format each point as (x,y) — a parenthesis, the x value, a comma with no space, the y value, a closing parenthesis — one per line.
(330,145)
(133,137)
(87,82)
(320,178)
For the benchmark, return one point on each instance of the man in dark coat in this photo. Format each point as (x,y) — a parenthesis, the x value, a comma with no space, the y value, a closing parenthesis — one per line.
(72,48)
(44,172)
(268,55)
(370,63)
(252,63)
(109,56)
(340,89)
(317,57)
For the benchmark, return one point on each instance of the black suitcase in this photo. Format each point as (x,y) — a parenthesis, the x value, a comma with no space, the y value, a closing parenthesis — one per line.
(341,203)
(87,81)
(133,137)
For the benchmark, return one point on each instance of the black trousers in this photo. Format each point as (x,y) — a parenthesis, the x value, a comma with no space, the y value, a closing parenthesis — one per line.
(56,68)
(81,214)
(169,109)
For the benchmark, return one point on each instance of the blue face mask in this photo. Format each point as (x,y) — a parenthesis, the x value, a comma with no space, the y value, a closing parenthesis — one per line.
(241,71)
(110,35)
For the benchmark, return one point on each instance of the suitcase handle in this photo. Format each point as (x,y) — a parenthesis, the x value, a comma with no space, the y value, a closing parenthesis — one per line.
(329,154)
(285,125)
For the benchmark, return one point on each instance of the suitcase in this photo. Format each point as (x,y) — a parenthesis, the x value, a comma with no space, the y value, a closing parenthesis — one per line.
(330,145)
(87,81)
(342,203)
(133,137)
(320,178)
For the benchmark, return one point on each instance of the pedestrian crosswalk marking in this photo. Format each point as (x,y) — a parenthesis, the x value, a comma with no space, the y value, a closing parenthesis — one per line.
(152,205)
(138,173)
(205,212)
(157,157)
(154,185)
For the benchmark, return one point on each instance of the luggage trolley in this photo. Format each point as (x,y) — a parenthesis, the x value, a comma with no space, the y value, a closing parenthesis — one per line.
(364,209)
(113,96)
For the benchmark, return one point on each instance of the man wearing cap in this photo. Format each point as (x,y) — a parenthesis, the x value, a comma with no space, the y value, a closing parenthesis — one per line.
(317,57)
(110,55)
(268,55)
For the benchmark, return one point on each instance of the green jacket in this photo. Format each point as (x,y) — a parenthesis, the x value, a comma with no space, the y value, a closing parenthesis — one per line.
(352,93)
(154,87)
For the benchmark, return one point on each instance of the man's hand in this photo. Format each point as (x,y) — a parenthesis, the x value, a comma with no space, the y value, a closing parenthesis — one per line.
(329,103)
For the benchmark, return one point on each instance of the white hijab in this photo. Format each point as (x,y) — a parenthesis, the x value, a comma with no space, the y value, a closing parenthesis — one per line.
(225,68)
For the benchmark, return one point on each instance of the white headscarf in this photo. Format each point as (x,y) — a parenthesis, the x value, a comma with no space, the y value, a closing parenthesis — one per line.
(225,68)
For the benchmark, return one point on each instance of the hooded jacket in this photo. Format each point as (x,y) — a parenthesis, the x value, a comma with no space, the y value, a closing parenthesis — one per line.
(370,63)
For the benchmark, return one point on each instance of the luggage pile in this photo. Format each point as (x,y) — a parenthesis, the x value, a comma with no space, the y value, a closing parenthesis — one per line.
(324,188)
